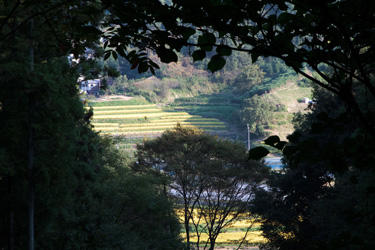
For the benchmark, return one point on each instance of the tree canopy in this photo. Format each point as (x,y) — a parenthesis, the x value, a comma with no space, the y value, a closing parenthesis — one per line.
(211,178)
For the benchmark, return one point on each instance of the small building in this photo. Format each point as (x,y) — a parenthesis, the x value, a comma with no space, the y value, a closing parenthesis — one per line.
(306,100)
(91,87)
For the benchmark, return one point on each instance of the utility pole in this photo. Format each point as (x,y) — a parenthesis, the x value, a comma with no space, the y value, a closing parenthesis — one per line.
(248,137)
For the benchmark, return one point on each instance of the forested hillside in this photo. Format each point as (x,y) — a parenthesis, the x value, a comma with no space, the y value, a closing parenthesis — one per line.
(264,94)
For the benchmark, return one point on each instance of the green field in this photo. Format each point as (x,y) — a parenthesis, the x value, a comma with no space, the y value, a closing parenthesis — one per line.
(136,120)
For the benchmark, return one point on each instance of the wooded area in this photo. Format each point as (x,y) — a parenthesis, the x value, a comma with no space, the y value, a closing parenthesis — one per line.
(65,187)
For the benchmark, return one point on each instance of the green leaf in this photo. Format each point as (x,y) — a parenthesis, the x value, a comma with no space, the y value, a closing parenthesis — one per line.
(224,50)
(198,55)
(216,63)
(258,153)
(272,140)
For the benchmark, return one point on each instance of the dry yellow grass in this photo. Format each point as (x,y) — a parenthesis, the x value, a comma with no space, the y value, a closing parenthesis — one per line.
(230,237)
(141,115)
(236,233)
(152,124)
(177,116)
(153,127)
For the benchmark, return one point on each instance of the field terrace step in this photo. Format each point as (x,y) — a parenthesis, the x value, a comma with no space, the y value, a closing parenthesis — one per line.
(124,107)
(155,127)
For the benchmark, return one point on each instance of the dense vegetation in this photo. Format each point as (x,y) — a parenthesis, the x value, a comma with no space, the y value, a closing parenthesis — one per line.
(212,179)
(66,188)
(84,193)
(228,95)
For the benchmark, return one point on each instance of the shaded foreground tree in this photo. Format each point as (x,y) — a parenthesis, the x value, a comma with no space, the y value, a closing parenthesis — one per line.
(324,196)
(210,178)
(85,196)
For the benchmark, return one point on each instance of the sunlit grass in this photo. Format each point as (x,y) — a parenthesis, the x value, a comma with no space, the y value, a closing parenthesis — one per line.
(231,235)
(139,115)
(138,128)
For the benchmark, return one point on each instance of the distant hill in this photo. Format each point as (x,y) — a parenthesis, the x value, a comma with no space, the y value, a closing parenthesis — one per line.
(264,94)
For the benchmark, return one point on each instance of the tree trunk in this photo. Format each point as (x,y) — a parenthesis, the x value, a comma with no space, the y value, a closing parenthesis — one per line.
(30,173)
(30,151)
(11,214)
(212,244)
(187,226)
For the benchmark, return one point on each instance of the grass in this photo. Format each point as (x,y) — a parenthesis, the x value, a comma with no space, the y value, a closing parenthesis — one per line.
(287,94)
(136,107)
(147,119)
(133,101)
(230,235)
(155,124)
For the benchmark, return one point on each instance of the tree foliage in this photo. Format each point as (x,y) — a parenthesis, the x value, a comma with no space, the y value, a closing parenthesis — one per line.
(85,196)
(212,179)
(322,199)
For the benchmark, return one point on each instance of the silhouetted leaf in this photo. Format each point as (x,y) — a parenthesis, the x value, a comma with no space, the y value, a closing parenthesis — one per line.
(121,52)
(188,32)
(258,153)
(280,145)
(143,67)
(254,57)
(166,55)
(152,70)
(198,55)
(206,41)
(114,54)
(224,50)
(134,65)
(289,150)
(107,54)
(153,65)
(272,140)
(216,63)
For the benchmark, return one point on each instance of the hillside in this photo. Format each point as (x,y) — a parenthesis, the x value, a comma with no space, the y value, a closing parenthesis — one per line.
(288,95)
(264,95)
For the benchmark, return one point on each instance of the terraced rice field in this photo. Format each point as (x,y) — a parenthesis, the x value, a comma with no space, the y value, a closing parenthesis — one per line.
(147,120)
(232,235)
